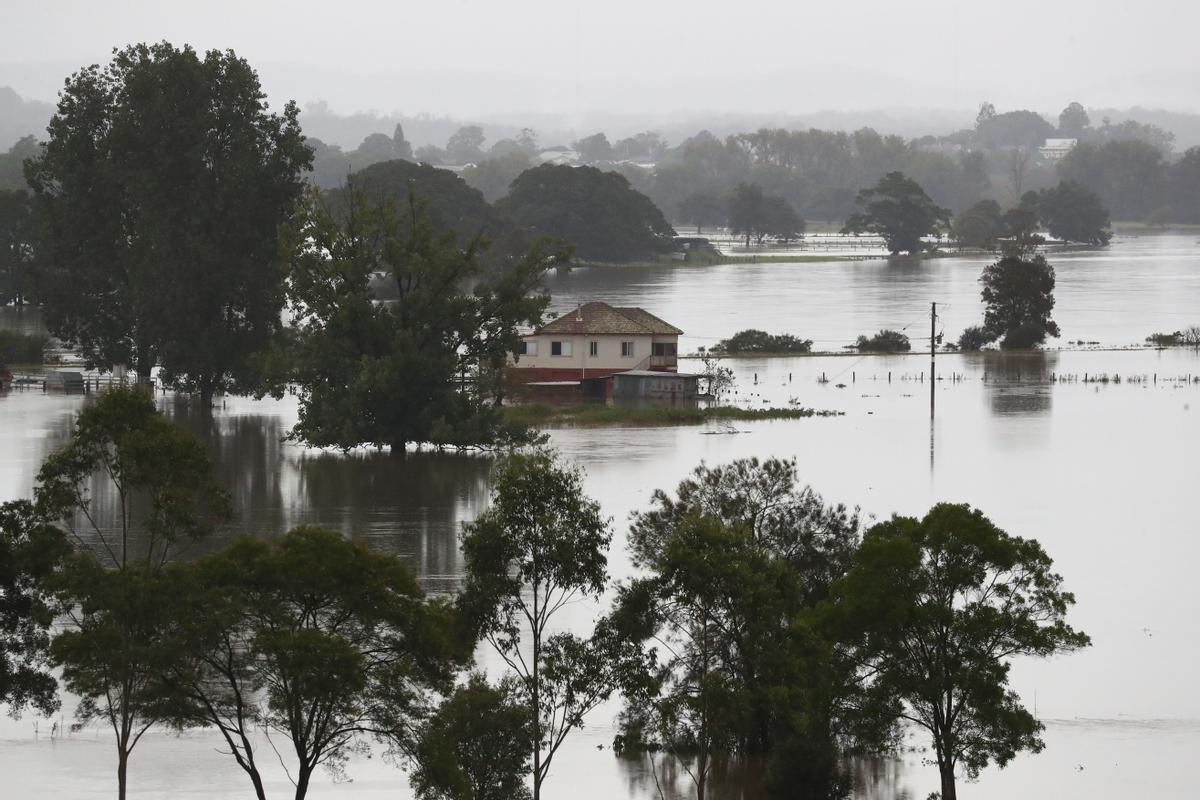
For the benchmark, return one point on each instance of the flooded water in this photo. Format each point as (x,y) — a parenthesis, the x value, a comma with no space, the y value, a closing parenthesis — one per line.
(1102,474)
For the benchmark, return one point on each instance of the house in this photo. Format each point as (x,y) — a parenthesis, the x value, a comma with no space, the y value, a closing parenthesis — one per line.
(1055,149)
(594,341)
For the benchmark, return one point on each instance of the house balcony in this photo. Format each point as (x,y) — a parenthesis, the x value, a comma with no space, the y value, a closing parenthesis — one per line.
(664,363)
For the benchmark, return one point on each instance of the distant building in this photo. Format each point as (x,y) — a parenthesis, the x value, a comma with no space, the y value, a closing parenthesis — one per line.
(558,155)
(594,341)
(640,384)
(1055,149)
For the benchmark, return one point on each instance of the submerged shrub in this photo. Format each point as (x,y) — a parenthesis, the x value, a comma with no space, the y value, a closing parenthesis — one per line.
(756,341)
(974,338)
(886,341)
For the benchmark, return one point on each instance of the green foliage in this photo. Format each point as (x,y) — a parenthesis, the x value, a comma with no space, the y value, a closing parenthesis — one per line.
(17,235)
(118,646)
(1012,129)
(160,191)
(756,341)
(12,163)
(1185,187)
(541,546)
(539,415)
(31,552)
(1018,295)
(465,146)
(886,341)
(1073,121)
(1165,339)
(313,637)
(1072,213)
(160,475)
(702,210)
(476,746)
(1126,175)
(985,597)
(981,225)
(598,212)
(755,214)
(731,566)
(494,175)
(898,209)
(974,338)
(594,149)
(384,373)
(22,348)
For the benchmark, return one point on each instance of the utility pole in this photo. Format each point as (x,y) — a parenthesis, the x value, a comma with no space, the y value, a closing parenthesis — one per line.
(932,354)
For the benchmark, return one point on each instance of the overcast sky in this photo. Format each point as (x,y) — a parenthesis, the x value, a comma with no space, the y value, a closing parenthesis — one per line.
(467,57)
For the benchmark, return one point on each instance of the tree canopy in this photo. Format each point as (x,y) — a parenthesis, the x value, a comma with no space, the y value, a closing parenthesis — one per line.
(754,214)
(941,605)
(1072,213)
(1018,294)
(898,209)
(160,192)
(31,551)
(541,546)
(598,212)
(981,225)
(394,373)
(316,639)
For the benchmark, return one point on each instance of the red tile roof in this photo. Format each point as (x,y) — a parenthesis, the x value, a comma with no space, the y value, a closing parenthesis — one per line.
(601,318)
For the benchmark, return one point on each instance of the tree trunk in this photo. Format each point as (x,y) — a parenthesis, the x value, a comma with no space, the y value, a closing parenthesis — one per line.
(947,773)
(206,394)
(122,772)
(302,782)
(399,448)
(259,791)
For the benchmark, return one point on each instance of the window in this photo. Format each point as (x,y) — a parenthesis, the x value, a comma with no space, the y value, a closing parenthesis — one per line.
(627,349)
(560,348)
(593,349)
(663,349)
(527,349)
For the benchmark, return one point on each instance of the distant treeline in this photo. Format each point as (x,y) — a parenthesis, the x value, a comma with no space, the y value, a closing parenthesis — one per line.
(1130,165)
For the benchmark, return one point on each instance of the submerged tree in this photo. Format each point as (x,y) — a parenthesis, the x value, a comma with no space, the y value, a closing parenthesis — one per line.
(160,192)
(900,211)
(1072,213)
(476,746)
(941,606)
(1018,294)
(392,373)
(732,566)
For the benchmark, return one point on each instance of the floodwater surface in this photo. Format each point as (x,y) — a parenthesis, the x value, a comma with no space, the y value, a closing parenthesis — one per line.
(1101,473)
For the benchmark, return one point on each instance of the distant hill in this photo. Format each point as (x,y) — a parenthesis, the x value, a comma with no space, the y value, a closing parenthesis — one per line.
(20,117)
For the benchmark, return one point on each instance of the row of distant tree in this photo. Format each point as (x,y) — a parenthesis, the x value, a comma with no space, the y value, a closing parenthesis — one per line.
(762,625)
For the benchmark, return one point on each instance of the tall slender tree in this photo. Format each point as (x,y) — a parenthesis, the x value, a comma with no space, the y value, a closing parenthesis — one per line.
(541,547)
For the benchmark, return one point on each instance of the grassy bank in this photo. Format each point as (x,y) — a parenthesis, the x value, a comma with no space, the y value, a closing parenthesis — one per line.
(543,415)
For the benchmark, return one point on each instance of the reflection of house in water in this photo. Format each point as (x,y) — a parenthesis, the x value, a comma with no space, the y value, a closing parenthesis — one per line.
(587,347)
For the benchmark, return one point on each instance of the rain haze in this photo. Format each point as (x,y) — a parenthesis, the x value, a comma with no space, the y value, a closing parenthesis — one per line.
(839,361)
(483,59)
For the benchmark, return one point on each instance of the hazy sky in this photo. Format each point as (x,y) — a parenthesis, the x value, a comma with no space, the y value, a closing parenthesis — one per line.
(472,56)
